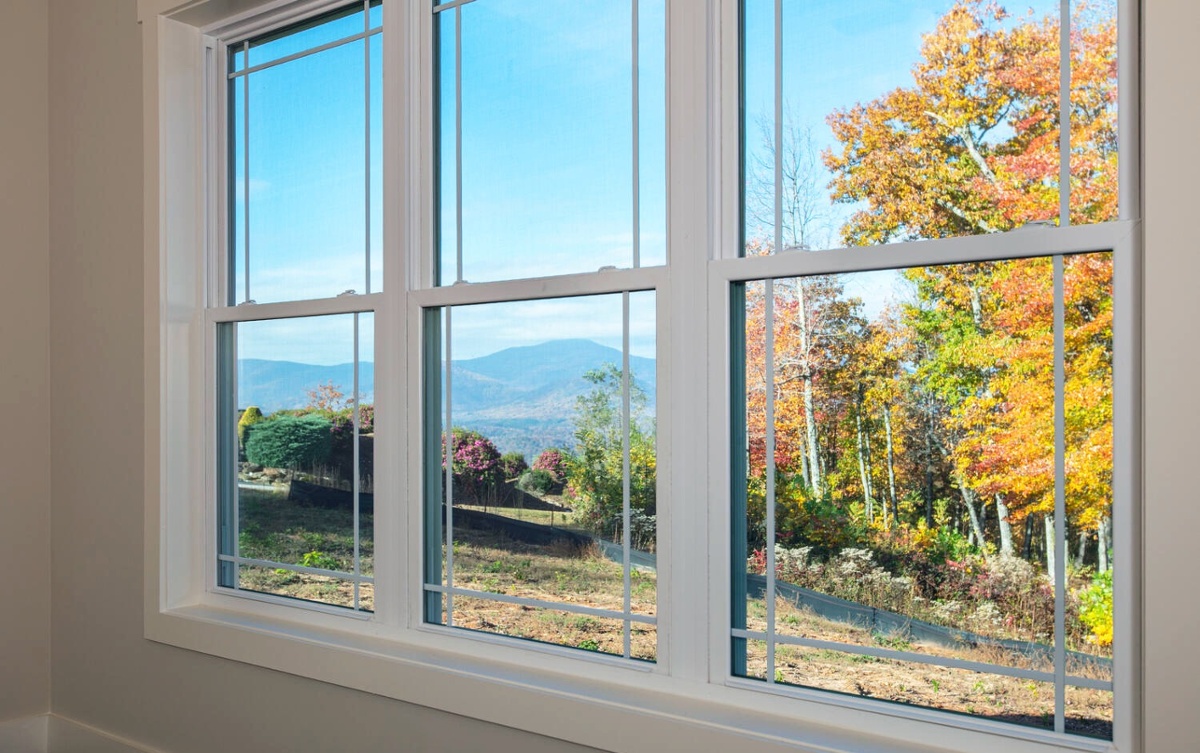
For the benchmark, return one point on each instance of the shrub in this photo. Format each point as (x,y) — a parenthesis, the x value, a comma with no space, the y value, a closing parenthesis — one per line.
(553,462)
(250,417)
(1095,609)
(536,480)
(513,464)
(476,465)
(290,441)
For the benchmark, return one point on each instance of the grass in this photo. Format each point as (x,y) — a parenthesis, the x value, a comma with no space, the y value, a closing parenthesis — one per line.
(273,529)
(1011,699)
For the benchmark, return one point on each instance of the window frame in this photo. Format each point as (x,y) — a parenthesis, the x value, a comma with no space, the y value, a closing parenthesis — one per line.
(689,697)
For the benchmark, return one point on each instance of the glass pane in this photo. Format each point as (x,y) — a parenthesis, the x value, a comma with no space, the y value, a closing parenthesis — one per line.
(1010,699)
(305,194)
(600,634)
(903,121)
(323,29)
(914,483)
(445,132)
(547,138)
(539,443)
(302,493)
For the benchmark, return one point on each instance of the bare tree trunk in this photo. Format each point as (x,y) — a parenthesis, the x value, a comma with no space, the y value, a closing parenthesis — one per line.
(1028,546)
(891,465)
(1006,541)
(1082,553)
(862,468)
(1049,525)
(810,422)
(1102,536)
(968,498)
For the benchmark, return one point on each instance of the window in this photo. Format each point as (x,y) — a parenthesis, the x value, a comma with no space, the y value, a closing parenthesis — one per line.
(735,371)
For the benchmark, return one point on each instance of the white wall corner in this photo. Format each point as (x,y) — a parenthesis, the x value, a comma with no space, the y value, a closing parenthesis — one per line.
(63,735)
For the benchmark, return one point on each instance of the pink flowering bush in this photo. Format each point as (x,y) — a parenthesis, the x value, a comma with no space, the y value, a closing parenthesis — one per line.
(476,466)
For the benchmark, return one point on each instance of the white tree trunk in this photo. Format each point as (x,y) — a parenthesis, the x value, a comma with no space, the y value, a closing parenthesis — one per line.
(1006,541)
(968,498)
(891,465)
(1049,521)
(862,469)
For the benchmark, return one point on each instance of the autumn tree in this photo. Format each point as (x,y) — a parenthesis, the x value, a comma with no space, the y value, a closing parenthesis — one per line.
(973,145)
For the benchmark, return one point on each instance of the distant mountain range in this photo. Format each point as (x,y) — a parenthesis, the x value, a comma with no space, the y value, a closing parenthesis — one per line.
(522,398)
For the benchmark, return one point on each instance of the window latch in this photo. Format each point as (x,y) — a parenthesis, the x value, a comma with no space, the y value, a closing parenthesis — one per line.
(249,302)
(345,293)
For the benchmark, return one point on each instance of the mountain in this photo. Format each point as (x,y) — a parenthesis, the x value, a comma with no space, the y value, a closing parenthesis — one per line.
(275,385)
(522,398)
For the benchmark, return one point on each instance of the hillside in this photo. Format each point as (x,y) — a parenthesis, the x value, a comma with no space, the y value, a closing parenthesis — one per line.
(523,398)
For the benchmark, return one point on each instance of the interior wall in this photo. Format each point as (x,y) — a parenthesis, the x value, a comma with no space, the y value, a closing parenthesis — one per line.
(1171,163)
(24,362)
(107,675)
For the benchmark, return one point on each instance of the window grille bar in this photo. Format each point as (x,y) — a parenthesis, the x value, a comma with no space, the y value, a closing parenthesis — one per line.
(238,560)
(458,181)
(637,210)
(626,437)
(448,434)
(453,4)
(366,147)
(301,54)
(769,419)
(769,349)
(1060,502)
(1064,113)
(562,606)
(939,661)
(357,470)
(246,174)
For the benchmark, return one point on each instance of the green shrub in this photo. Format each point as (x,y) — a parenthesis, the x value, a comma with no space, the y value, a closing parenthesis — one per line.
(290,441)
(250,417)
(536,480)
(1095,609)
(513,464)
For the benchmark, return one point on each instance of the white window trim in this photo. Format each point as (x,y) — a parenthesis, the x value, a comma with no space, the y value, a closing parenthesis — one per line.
(688,699)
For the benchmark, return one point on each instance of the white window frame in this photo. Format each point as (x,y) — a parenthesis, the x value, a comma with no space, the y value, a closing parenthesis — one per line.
(687,698)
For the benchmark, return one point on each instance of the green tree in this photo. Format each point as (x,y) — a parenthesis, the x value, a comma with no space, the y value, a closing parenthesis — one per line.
(291,442)
(596,475)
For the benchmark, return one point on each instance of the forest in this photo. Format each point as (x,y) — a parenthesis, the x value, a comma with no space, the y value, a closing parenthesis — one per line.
(921,428)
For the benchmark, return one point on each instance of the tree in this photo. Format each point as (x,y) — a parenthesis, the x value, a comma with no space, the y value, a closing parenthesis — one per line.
(476,467)
(972,146)
(596,474)
(291,442)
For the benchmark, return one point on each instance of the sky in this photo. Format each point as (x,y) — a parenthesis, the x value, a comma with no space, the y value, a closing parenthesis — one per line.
(547,165)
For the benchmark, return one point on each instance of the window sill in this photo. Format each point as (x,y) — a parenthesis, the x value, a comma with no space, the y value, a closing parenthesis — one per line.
(596,704)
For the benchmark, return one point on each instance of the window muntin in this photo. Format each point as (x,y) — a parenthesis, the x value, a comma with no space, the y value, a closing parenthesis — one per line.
(305,161)
(925,400)
(561,550)
(903,122)
(550,119)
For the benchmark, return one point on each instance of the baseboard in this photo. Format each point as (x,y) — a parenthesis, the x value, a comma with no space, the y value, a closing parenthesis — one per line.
(69,736)
(29,734)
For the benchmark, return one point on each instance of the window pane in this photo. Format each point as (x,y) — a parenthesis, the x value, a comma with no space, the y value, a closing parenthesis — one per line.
(296,510)
(330,27)
(548,164)
(543,508)
(299,168)
(901,121)
(913,494)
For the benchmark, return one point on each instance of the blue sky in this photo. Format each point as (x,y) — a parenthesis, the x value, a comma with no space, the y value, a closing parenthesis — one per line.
(547,166)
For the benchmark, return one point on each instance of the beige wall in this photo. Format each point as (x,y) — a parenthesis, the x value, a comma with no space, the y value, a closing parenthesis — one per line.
(106,675)
(1172,353)
(24,363)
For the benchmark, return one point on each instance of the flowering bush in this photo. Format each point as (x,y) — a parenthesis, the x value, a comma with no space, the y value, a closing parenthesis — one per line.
(513,464)
(554,462)
(476,466)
